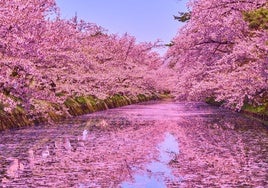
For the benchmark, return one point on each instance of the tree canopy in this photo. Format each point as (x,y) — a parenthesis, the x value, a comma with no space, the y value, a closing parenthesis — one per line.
(222,52)
(44,57)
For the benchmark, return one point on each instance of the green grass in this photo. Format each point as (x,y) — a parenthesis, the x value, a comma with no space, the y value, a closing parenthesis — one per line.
(256,109)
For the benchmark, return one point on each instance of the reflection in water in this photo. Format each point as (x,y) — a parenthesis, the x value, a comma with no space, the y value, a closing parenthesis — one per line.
(157,172)
(169,148)
(157,145)
(85,133)
(31,158)
(144,181)
(14,168)
(67,145)
(45,153)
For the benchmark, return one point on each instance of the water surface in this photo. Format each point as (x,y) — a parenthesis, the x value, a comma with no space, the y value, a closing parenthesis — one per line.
(161,144)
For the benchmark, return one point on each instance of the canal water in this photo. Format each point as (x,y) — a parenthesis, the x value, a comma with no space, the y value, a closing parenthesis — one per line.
(155,144)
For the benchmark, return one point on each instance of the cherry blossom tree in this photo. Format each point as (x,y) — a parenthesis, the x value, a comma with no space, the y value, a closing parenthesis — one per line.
(46,58)
(219,54)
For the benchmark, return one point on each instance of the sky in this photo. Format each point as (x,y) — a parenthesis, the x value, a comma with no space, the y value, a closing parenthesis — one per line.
(147,20)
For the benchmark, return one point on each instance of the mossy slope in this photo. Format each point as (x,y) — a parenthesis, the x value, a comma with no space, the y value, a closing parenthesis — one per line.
(76,106)
(258,109)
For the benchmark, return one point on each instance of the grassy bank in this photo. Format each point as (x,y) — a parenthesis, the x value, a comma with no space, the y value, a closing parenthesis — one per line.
(75,106)
(258,110)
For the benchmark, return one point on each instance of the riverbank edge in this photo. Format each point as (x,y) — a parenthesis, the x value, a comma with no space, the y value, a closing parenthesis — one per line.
(76,106)
(259,112)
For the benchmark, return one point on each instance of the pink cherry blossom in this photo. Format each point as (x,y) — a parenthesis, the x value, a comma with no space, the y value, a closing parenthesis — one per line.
(216,54)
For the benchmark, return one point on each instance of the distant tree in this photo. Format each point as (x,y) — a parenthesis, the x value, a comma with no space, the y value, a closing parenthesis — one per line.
(183,16)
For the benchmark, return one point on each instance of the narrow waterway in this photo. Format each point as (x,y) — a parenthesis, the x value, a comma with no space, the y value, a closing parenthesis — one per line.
(157,144)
